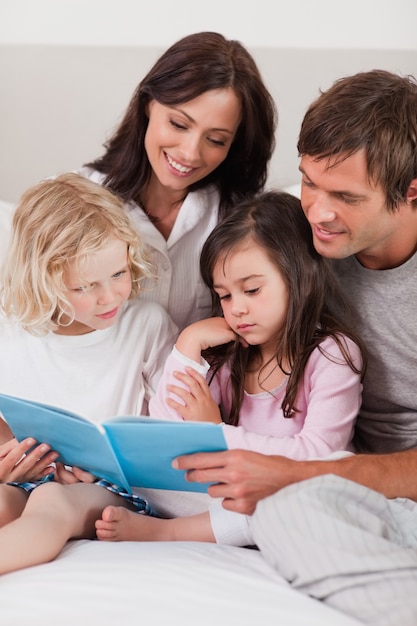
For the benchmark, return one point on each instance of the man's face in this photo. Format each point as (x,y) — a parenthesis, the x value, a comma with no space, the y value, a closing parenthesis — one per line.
(347,211)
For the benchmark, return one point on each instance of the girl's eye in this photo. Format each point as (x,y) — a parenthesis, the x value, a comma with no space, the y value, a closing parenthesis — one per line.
(119,274)
(225,297)
(251,292)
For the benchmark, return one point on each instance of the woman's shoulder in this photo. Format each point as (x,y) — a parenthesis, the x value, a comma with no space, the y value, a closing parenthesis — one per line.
(89,172)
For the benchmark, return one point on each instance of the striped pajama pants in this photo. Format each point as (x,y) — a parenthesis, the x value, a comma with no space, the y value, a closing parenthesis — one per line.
(345,545)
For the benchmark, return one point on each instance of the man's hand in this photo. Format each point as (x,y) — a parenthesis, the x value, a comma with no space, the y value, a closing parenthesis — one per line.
(241,477)
(17,464)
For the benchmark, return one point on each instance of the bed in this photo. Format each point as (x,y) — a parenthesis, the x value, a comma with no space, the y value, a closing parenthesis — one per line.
(58,105)
(157,583)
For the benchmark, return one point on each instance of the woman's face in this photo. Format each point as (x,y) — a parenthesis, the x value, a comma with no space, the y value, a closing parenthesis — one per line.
(186,142)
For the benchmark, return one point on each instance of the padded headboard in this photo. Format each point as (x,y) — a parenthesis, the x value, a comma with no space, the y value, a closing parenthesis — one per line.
(58,104)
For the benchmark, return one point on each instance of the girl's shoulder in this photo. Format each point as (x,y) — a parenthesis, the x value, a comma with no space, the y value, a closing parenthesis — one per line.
(8,327)
(335,348)
(146,318)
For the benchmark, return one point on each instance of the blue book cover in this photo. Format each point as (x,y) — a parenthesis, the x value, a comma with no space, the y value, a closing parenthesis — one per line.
(127,450)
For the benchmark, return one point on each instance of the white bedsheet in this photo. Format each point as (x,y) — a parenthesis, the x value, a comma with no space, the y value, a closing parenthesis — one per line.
(189,584)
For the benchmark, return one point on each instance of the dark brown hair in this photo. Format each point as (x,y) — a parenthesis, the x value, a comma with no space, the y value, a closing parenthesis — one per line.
(317,306)
(196,64)
(375,111)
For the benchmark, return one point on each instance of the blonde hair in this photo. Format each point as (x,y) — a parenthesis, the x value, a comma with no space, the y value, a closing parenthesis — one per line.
(57,221)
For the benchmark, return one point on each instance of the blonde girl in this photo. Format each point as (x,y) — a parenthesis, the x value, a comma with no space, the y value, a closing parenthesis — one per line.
(73,334)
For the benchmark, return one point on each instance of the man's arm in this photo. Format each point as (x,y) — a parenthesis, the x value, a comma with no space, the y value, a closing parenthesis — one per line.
(242,478)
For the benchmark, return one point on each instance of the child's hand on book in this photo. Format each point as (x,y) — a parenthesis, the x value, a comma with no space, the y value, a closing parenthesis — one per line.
(195,402)
(22,462)
(68,476)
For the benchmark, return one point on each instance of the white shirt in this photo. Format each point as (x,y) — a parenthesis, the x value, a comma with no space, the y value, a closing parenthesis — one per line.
(179,287)
(102,374)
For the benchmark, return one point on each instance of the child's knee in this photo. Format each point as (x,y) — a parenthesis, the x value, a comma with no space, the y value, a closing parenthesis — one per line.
(50,497)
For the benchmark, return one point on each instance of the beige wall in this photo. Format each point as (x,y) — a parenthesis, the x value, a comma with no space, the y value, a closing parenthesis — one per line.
(59,103)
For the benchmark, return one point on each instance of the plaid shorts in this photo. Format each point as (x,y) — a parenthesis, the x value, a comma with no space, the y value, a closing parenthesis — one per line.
(30,486)
(140,504)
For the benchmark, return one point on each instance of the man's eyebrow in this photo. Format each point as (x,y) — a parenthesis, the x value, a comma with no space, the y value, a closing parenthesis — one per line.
(338,192)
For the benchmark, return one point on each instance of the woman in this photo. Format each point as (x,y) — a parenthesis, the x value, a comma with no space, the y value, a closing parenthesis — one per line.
(196,138)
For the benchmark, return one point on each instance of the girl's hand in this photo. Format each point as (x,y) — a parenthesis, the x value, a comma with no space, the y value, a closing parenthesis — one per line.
(67,476)
(207,333)
(197,403)
(17,464)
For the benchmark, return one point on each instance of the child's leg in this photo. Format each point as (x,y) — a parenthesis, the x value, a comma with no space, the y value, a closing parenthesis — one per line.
(214,526)
(119,524)
(12,502)
(54,513)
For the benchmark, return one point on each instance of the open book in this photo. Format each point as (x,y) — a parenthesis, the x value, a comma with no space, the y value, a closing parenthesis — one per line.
(129,451)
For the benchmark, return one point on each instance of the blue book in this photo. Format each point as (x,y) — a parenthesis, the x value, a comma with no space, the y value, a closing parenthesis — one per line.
(129,451)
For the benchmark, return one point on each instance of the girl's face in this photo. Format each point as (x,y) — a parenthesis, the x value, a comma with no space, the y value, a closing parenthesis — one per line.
(186,142)
(98,288)
(253,295)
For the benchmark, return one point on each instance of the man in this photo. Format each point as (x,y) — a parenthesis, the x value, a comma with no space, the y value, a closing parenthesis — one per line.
(345,530)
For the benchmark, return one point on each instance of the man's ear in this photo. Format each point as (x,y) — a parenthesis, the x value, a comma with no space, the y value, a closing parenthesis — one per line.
(412,190)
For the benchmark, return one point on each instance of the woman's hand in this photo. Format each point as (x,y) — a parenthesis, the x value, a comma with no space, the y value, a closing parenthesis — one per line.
(197,402)
(22,462)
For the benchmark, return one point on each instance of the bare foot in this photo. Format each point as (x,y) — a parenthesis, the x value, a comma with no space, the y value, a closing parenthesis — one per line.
(120,524)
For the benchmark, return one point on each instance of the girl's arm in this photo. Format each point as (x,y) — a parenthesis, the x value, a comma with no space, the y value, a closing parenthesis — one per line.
(330,398)
(167,405)
(183,393)
(204,334)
